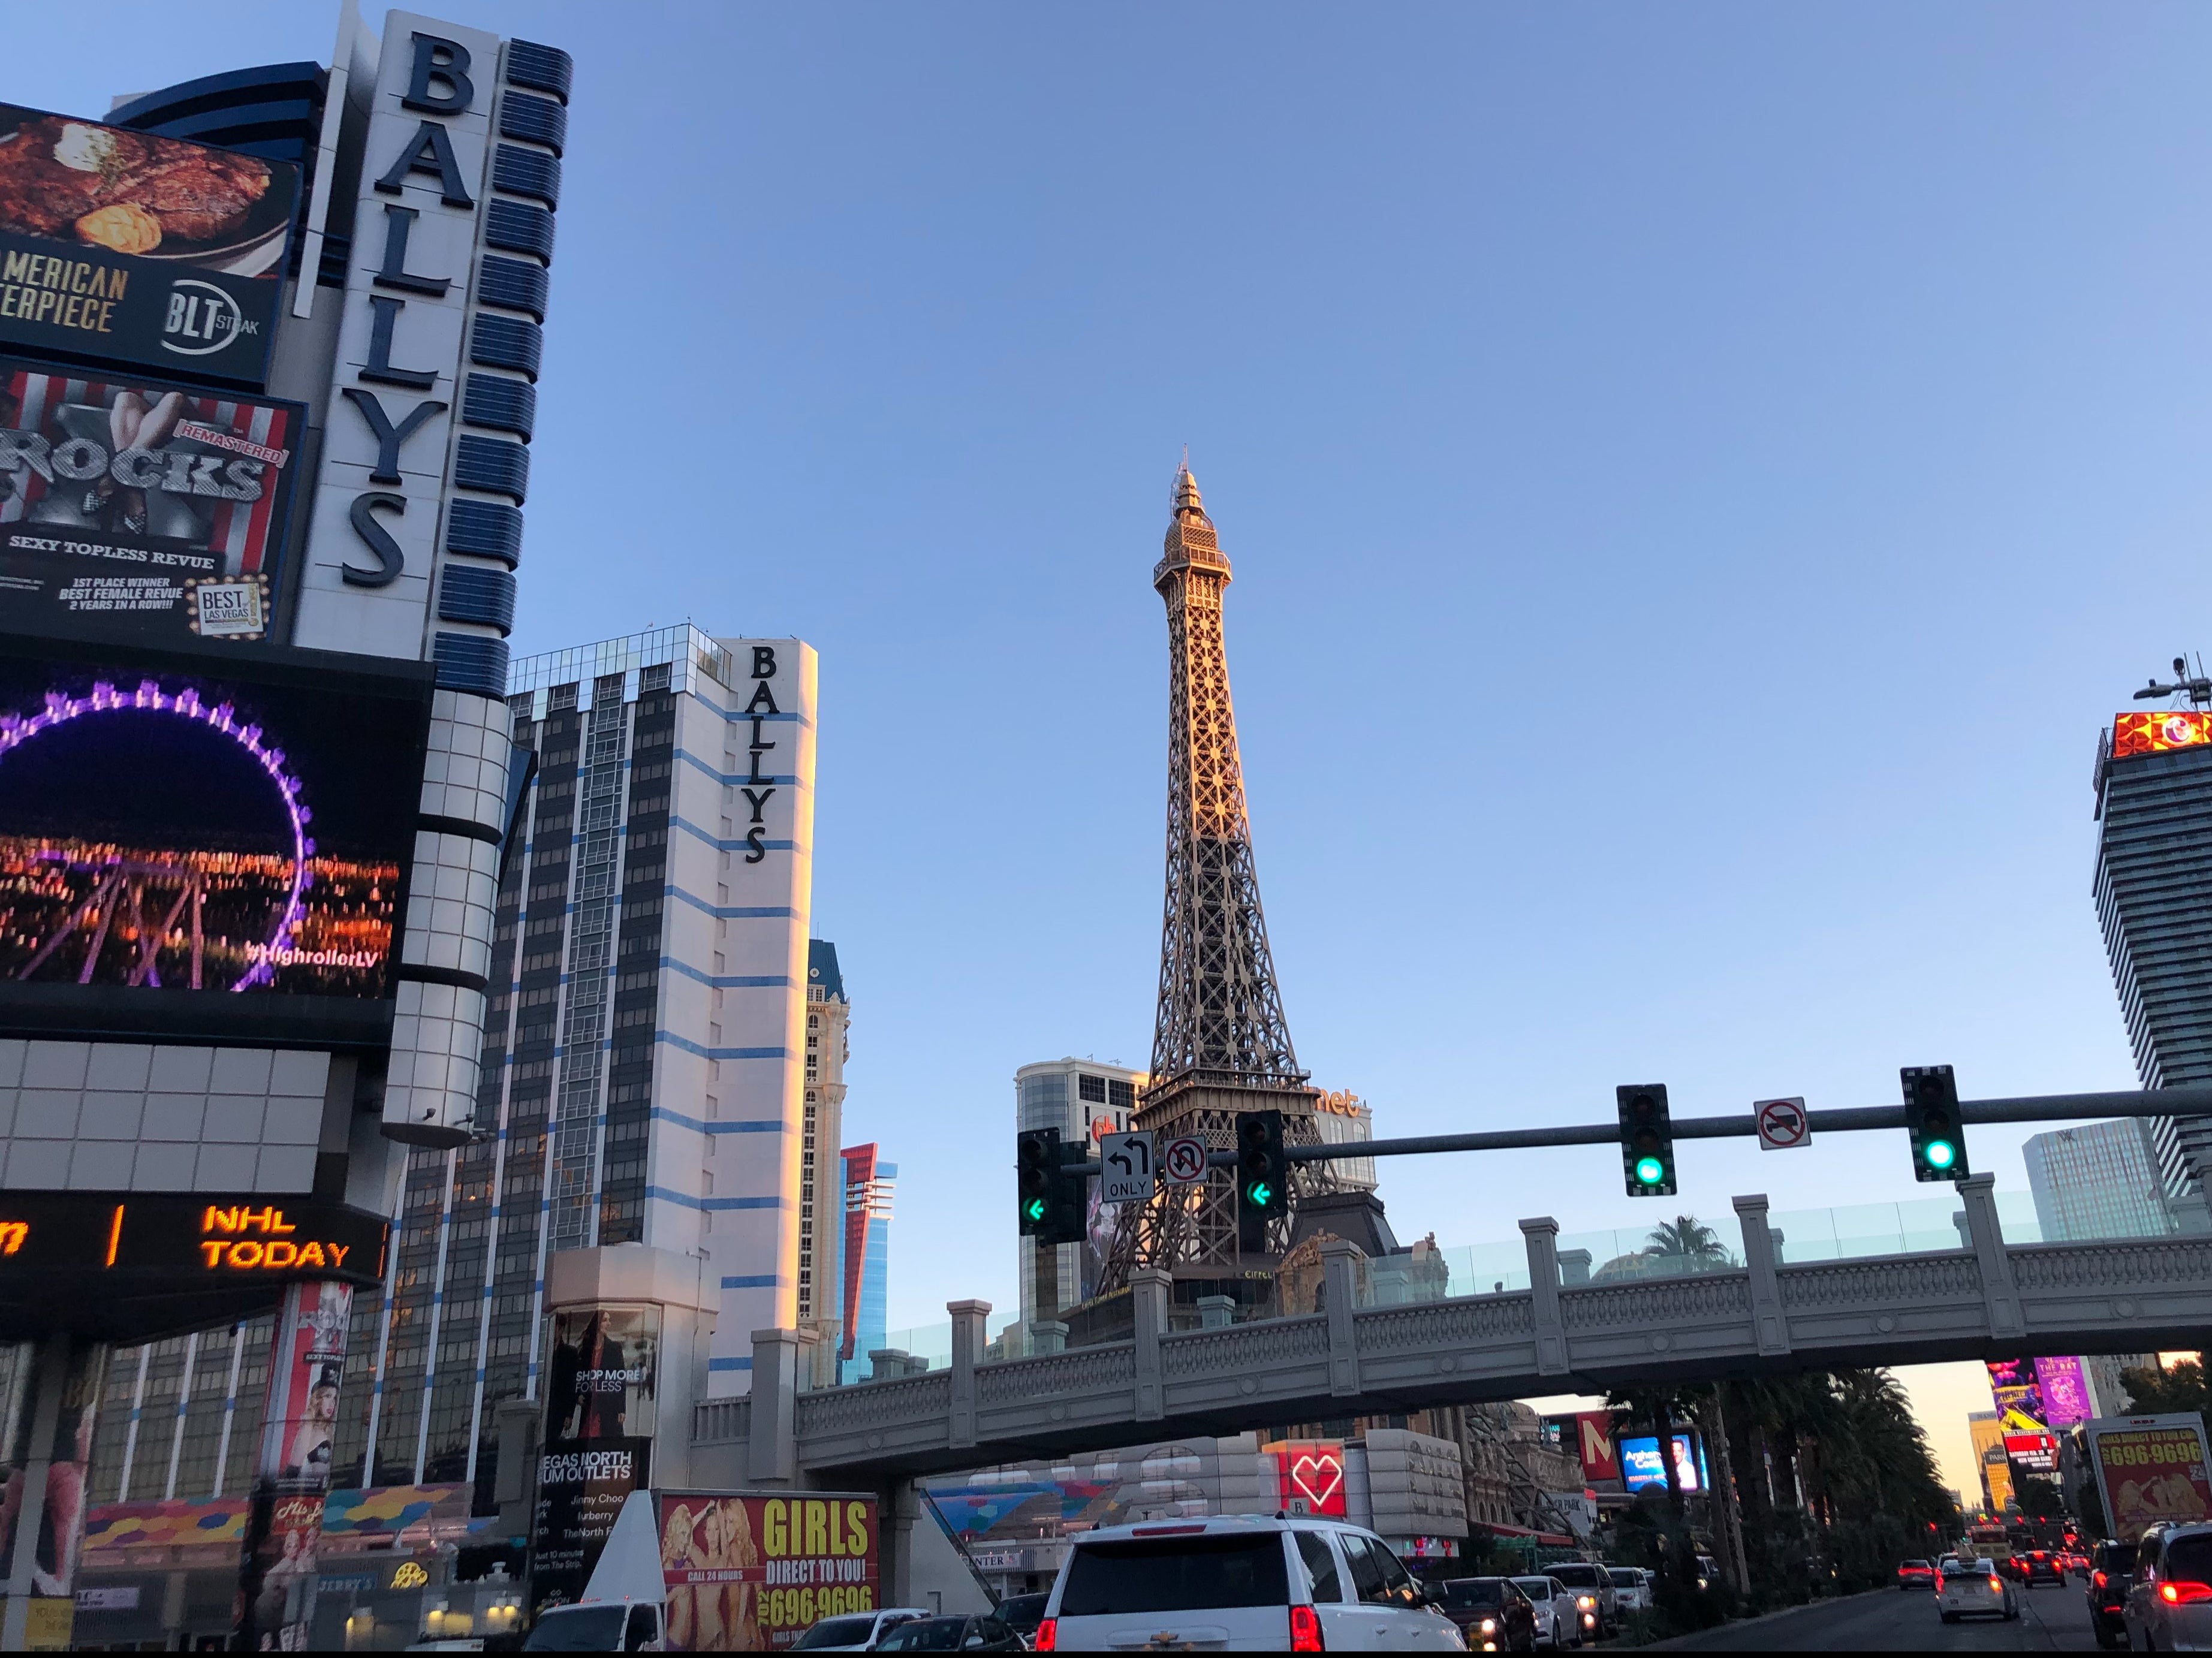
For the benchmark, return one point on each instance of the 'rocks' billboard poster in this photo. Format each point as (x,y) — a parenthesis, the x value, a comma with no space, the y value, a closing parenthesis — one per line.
(132,509)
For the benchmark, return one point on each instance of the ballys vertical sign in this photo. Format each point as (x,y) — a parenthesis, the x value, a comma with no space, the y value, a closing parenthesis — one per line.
(424,464)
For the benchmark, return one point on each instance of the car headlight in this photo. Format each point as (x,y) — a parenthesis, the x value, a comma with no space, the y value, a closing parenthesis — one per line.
(1490,1626)
(1584,1602)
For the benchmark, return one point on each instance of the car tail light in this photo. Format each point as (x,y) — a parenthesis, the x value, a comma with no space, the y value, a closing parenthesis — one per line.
(2184,1593)
(1996,1585)
(1048,1635)
(2098,1578)
(1305,1631)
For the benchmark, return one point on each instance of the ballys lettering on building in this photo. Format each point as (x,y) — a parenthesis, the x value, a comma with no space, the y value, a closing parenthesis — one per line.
(417,524)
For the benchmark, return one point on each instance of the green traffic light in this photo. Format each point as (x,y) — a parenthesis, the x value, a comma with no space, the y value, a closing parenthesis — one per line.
(1035,1209)
(1941,1154)
(1650,1171)
(1260,1194)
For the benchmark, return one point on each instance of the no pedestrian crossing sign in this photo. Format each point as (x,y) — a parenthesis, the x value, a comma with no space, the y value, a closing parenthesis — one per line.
(1184,1161)
(1782,1123)
(1126,1172)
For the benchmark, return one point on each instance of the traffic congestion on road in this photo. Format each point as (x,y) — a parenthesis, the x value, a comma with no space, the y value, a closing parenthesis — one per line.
(1285,1584)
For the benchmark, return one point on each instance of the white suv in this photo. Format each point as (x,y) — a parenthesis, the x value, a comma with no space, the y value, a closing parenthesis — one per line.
(1239,1582)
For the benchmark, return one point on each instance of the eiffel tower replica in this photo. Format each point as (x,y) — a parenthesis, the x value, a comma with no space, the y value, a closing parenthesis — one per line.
(1220,1044)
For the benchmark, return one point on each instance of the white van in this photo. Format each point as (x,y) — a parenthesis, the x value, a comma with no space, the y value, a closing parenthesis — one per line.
(1240,1583)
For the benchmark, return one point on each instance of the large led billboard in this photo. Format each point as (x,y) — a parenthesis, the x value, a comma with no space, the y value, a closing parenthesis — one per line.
(192,845)
(127,248)
(133,509)
(1640,1465)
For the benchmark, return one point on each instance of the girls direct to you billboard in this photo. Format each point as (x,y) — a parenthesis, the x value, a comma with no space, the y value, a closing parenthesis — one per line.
(752,1572)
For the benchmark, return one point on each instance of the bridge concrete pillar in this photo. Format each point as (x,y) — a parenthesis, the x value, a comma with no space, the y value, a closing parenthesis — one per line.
(899,1505)
(1574,1267)
(1542,1236)
(1215,1312)
(1340,1272)
(968,1320)
(1770,1326)
(1047,1335)
(772,1450)
(1999,1293)
(1148,1288)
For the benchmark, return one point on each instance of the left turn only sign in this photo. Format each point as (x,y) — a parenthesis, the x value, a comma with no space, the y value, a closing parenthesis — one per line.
(1126,1168)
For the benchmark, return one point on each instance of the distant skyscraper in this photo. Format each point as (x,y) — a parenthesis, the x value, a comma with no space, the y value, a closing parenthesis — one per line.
(869,1182)
(2100,1182)
(1082,1099)
(822,1194)
(1344,1119)
(2153,892)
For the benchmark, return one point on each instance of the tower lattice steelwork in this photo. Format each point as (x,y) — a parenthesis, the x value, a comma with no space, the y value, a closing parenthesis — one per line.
(1220,1044)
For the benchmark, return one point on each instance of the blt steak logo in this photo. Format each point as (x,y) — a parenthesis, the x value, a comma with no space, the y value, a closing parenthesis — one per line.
(202,319)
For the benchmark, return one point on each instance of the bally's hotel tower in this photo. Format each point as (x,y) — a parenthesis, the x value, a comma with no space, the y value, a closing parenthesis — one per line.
(640,1120)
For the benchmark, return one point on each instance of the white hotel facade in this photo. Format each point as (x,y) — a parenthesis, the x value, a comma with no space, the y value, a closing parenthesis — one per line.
(640,1117)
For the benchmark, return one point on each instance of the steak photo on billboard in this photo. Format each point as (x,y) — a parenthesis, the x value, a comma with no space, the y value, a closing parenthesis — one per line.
(128,248)
(132,509)
(239,833)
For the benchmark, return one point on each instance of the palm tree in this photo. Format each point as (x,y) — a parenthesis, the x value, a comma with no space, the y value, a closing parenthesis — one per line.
(1687,1239)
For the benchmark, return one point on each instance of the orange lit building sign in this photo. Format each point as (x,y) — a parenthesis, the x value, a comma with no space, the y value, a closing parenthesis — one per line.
(2155,734)
(229,1241)
(180,1235)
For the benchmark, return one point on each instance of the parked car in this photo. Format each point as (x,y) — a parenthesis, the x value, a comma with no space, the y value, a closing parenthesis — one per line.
(1240,1581)
(1633,1585)
(1593,1591)
(2169,1606)
(965,1632)
(1020,1613)
(2111,1571)
(857,1632)
(1492,1614)
(1558,1620)
(2039,1566)
(1976,1588)
(1916,1575)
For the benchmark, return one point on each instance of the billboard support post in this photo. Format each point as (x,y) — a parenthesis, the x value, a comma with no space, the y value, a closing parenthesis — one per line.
(277,1565)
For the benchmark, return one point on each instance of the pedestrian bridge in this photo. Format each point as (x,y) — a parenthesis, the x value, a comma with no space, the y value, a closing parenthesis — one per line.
(1984,1300)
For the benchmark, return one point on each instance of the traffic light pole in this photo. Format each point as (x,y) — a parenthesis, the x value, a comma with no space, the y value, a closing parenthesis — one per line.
(2188,1100)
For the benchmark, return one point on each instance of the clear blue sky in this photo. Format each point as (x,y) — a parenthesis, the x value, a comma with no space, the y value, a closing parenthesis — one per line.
(1697,478)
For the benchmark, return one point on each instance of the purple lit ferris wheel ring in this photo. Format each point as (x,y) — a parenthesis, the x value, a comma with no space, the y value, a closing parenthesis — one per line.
(150,698)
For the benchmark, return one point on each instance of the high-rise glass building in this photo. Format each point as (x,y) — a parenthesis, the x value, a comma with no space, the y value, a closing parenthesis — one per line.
(822,1172)
(643,1057)
(2098,1181)
(2153,894)
(869,1184)
(1082,1099)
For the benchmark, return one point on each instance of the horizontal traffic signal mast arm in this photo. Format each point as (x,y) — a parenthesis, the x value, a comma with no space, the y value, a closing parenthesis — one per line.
(2186,1099)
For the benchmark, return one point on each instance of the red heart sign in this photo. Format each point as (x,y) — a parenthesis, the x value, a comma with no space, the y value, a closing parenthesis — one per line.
(1318,1477)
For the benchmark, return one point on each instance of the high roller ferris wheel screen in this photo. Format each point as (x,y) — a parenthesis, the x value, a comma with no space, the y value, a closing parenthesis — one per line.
(243,833)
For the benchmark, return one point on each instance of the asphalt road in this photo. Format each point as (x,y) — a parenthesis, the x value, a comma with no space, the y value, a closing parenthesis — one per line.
(1904,1621)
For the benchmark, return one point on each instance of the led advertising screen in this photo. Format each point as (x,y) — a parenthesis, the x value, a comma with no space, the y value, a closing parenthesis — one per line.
(1640,1465)
(192,845)
(2154,733)
(2065,1388)
(127,248)
(132,509)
